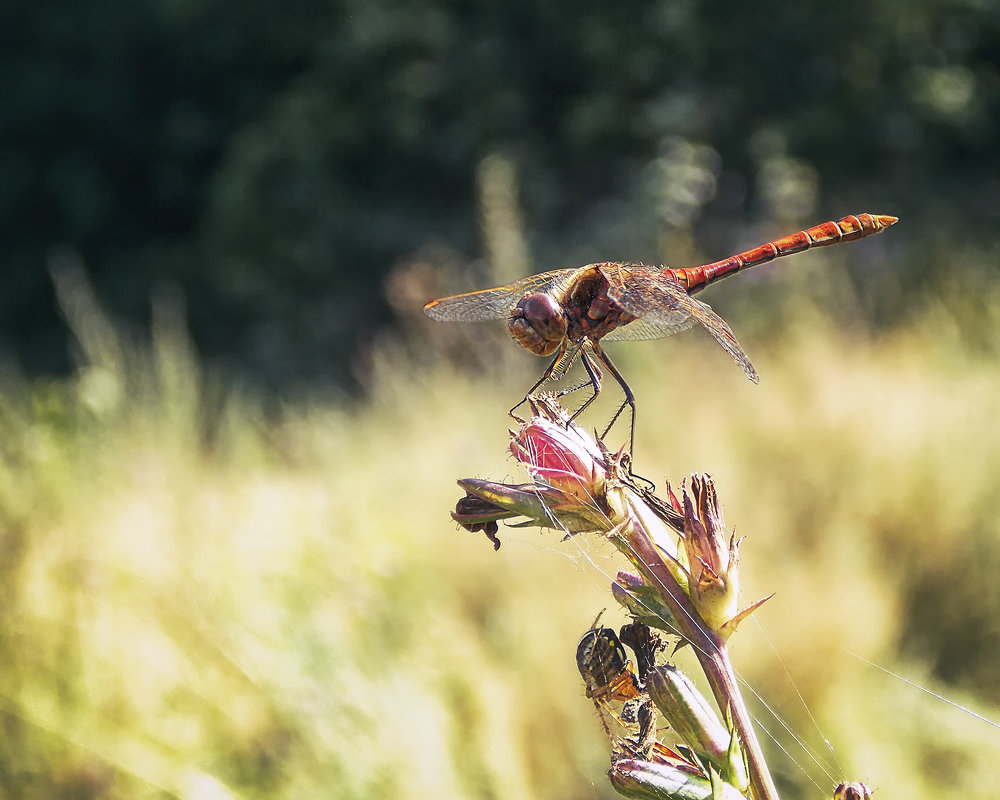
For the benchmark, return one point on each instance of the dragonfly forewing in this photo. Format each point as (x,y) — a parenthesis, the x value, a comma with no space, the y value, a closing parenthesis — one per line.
(664,307)
(645,292)
(497,303)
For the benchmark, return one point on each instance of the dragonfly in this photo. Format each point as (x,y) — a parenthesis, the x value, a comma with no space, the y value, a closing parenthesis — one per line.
(569,313)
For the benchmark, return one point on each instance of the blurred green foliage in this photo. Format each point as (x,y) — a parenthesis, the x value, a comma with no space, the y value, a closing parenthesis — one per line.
(277,161)
(204,601)
(206,596)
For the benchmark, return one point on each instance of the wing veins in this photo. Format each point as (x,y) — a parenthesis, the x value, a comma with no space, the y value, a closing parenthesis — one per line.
(495,303)
(663,307)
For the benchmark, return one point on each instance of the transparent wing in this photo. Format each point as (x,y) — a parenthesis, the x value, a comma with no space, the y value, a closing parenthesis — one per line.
(724,335)
(496,303)
(643,330)
(663,307)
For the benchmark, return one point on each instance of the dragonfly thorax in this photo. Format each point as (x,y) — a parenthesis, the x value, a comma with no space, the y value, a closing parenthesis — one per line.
(538,323)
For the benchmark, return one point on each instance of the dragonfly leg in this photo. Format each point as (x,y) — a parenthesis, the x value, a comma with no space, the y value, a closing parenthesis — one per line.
(545,376)
(630,404)
(528,394)
(629,397)
(595,374)
(576,387)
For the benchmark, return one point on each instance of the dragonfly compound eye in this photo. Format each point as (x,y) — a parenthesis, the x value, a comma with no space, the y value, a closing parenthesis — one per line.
(538,324)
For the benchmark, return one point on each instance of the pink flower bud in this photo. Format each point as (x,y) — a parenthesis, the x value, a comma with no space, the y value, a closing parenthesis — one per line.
(558,452)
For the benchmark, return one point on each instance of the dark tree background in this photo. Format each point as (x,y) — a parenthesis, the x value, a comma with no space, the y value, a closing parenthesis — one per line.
(275,161)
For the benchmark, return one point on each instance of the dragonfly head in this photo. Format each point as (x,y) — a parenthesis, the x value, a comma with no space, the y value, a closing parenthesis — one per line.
(538,323)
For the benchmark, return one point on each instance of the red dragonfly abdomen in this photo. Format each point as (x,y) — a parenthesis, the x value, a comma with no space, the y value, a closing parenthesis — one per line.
(694,279)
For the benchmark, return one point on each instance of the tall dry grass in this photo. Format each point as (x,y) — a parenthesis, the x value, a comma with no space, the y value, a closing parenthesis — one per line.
(204,601)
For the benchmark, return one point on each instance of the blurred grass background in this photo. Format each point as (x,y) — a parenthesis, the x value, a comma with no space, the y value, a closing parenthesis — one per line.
(229,438)
(202,600)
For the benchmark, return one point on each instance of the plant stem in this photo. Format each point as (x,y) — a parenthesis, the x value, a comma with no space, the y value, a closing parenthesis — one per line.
(713,655)
(721,677)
